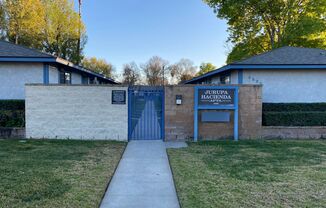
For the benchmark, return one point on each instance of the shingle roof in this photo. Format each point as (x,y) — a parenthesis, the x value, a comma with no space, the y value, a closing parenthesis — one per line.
(281,58)
(13,52)
(8,49)
(288,55)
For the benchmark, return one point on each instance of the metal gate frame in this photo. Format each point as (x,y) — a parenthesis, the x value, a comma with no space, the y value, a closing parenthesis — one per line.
(144,88)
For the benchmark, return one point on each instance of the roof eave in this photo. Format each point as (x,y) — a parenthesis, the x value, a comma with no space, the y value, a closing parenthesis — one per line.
(82,69)
(257,66)
(28,59)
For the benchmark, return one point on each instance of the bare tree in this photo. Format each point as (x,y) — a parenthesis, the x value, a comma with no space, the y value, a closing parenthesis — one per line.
(131,75)
(156,71)
(182,71)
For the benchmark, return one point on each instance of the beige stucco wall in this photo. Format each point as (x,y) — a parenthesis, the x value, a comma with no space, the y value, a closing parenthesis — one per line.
(75,112)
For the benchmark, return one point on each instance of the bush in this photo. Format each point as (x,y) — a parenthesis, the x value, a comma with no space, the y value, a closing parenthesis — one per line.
(286,107)
(12,113)
(309,118)
(294,114)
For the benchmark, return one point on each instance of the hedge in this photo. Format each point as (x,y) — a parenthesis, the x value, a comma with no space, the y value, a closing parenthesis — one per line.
(286,107)
(12,113)
(294,114)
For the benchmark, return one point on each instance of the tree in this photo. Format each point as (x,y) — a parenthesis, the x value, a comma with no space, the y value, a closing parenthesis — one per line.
(205,68)
(63,30)
(155,71)
(2,21)
(99,66)
(131,75)
(24,22)
(48,25)
(182,71)
(258,26)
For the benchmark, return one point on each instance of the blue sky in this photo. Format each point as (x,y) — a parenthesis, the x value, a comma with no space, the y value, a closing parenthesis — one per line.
(122,31)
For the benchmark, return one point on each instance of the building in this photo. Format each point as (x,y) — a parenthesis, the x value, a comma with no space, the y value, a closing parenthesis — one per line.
(288,75)
(20,65)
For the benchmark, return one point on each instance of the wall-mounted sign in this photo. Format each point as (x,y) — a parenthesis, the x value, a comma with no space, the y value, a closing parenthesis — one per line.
(118,97)
(216,96)
(178,99)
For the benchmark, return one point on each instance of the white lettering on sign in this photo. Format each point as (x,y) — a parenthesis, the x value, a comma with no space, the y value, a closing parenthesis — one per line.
(216,96)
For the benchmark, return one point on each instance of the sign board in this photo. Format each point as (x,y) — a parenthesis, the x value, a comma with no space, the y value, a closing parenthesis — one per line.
(216,117)
(119,97)
(216,96)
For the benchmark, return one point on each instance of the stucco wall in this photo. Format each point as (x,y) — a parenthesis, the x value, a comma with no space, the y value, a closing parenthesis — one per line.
(76,78)
(76,112)
(289,86)
(13,77)
(179,119)
(233,75)
(53,75)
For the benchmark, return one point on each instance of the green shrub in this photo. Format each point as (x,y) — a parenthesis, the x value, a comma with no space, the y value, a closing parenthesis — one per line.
(310,118)
(294,114)
(12,113)
(12,105)
(286,107)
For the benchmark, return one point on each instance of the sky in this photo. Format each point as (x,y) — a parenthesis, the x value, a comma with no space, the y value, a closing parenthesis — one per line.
(122,31)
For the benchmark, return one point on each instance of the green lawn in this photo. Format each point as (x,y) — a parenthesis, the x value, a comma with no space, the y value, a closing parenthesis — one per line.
(56,173)
(251,174)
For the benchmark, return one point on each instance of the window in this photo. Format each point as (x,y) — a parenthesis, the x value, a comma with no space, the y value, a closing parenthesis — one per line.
(65,77)
(225,79)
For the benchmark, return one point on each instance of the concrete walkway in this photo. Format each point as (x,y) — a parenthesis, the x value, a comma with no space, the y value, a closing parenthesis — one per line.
(143,178)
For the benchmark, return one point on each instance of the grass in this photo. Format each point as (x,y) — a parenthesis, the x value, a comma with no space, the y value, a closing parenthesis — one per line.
(251,174)
(56,173)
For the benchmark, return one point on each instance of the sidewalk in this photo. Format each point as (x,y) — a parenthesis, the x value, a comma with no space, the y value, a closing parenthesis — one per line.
(143,178)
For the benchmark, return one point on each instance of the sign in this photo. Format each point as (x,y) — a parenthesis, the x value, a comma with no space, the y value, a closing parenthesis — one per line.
(118,97)
(216,96)
(178,99)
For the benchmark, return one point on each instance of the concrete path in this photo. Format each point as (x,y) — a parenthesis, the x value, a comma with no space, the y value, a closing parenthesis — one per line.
(143,178)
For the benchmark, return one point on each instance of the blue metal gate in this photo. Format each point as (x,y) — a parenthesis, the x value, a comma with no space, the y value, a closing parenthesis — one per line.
(146,113)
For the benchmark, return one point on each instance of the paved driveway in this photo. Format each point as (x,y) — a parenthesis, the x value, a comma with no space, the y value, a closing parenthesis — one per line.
(143,178)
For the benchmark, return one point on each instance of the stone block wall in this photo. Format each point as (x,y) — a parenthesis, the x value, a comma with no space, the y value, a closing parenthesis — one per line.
(250,111)
(12,133)
(179,119)
(75,112)
(300,132)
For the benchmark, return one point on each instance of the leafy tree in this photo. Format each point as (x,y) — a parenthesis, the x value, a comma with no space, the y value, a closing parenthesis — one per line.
(48,25)
(99,66)
(62,30)
(131,75)
(2,21)
(182,71)
(257,26)
(155,71)
(24,22)
(206,67)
